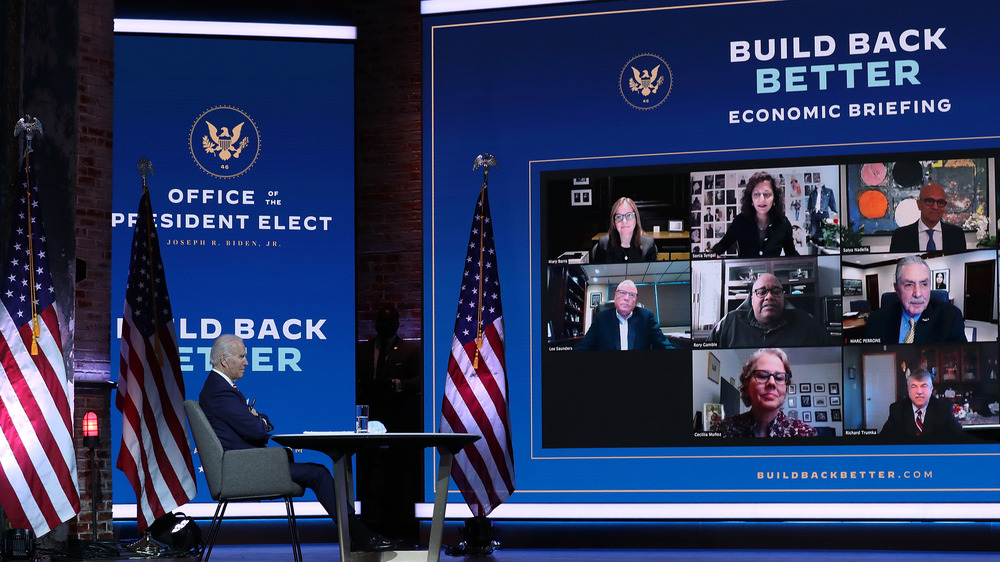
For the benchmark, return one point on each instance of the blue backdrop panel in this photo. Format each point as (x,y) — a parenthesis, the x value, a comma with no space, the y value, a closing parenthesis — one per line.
(552,89)
(259,243)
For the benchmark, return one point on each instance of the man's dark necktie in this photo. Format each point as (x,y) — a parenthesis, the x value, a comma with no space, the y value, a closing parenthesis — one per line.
(383,352)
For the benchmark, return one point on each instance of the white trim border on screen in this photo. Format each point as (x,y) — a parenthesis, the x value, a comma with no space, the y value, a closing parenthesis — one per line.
(638,511)
(236,29)
(725,511)
(448,6)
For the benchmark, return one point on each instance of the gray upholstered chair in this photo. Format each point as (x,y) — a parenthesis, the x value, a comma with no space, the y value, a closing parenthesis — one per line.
(241,475)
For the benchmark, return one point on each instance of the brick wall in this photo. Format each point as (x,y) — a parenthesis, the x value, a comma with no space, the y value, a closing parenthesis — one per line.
(93,397)
(92,339)
(93,190)
(388,201)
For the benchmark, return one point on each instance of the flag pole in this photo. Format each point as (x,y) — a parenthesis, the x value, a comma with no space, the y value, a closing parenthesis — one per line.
(475,399)
(38,434)
(27,127)
(145,168)
(484,160)
(150,385)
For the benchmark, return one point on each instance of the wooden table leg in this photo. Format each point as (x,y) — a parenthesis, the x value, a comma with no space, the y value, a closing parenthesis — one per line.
(440,502)
(342,483)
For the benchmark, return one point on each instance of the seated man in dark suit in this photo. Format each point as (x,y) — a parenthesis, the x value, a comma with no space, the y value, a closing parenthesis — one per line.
(921,415)
(768,321)
(929,233)
(240,426)
(916,318)
(625,326)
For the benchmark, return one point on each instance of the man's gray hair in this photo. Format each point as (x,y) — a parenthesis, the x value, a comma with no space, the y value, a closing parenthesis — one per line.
(911,260)
(226,344)
(920,375)
(629,281)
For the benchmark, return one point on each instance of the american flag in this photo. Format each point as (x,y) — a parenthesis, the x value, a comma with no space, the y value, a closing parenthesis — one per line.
(475,393)
(38,488)
(155,454)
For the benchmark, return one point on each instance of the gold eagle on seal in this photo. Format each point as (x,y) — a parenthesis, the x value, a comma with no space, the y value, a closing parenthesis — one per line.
(646,82)
(222,143)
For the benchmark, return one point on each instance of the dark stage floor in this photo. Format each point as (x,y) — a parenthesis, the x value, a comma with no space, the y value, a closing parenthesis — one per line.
(640,541)
(329,552)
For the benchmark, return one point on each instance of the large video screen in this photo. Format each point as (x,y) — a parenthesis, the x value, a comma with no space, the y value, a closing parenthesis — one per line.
(751,265)
(245,192)
(708,226)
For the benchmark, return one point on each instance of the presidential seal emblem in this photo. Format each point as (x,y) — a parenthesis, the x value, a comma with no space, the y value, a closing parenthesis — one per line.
(645,81)
(224,142)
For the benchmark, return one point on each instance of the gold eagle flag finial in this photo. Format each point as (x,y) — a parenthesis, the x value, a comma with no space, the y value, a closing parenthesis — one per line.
(145,168)
(28,126)
(484,160)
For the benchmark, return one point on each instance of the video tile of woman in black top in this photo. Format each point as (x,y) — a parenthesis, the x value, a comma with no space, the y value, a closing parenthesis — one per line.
(761,229)
(625,241)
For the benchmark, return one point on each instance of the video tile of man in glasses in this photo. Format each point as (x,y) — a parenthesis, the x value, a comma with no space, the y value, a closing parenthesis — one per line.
(917,315)
(929,233)
(767,320)
(626,326)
